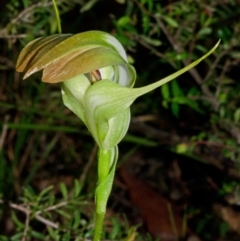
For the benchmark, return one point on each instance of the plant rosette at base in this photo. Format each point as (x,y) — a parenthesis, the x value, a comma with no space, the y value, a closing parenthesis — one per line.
(97,85)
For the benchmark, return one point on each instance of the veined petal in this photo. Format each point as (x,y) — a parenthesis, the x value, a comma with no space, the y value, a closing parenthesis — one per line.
(103,121)
(107,73)
(108,132)
(73,91)
(36,49)
(117,129)
(106,99)
(80,62)
(114,43)
(125,75)
(67,47)
(122,74)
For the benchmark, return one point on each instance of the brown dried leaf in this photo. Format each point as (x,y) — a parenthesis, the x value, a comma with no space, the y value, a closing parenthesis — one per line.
(154,208)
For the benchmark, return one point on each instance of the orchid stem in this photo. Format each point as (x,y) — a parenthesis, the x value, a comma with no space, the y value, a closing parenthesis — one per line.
(98,226)
(107,160)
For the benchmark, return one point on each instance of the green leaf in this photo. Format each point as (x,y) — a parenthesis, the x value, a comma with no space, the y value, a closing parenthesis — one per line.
(66,236)
(64,190)
(170,21)
(237,115)
(186,101)
(123,21)
(165,92)
(53,233)
(37,235)
(88,5)
(116,229)
(139,140)
(151,41)
(175,108)
(16,221)
(77,187)
(16,237)
(205,31)
(63,213)
(77,219)
(145,23)
(43,193)
(176,90)
(4,238)
(181,56)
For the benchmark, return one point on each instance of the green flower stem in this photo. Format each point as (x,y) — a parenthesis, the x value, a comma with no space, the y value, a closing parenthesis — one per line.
(57,16)
(98,226)
(107,159)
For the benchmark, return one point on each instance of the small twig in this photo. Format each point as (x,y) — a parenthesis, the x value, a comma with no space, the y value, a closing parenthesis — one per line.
(27,212)
(233,130)
(215,62)
(183,26)
(89,163)
(171,40)
(9,63)
(222,74)
(172,221)
(14,36)
(51,208)
(193,72)
(19,207)
(4,131)
(87,167)
(29,9)
(46,222)
(216,144)
(153,133)
(21,16)
(27,152)
(138,39)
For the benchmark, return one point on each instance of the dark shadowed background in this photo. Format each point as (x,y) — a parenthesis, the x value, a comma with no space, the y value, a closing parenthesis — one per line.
(178,172)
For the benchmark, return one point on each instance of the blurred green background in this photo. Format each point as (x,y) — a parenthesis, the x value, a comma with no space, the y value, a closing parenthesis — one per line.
(183,141)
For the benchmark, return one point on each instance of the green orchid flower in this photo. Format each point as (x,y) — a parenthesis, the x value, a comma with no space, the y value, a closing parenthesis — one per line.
(97,85)
(79,62)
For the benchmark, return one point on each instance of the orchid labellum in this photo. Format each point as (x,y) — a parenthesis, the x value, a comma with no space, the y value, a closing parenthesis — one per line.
(97,85)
